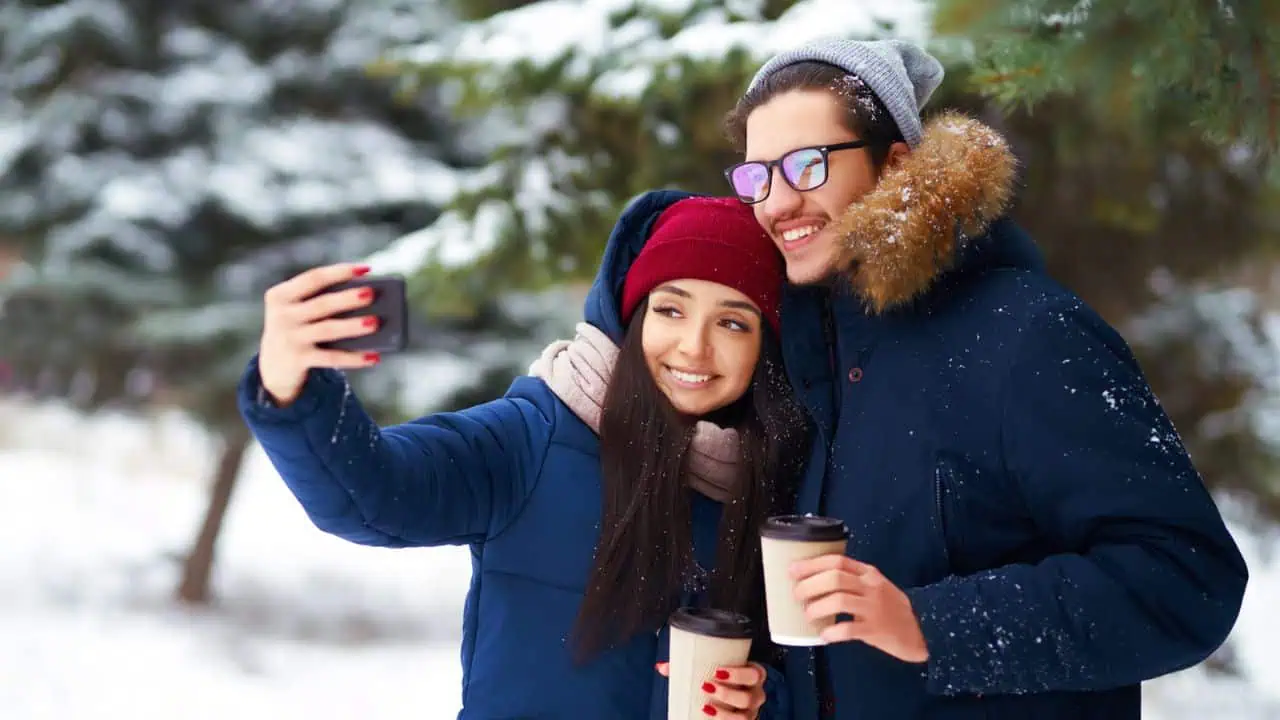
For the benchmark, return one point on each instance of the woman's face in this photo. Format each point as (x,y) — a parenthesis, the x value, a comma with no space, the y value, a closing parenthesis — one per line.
(701,342)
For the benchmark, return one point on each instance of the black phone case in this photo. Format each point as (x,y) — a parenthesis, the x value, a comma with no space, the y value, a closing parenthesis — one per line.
(389,305)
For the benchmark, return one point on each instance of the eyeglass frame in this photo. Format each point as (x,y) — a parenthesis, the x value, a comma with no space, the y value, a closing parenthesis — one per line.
(769,166)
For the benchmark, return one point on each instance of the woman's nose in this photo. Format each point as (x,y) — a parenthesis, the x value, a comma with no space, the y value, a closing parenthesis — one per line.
(694,343)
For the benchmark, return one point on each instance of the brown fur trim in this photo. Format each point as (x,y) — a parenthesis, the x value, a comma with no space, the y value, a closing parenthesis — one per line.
(903,234)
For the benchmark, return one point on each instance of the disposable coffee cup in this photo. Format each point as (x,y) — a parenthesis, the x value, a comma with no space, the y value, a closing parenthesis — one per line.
(702,640)
(785,539)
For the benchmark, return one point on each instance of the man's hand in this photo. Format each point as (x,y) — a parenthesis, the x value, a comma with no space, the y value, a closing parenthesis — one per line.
(835,584)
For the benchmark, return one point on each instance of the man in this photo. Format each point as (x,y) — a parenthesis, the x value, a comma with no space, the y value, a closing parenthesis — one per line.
(1029,536)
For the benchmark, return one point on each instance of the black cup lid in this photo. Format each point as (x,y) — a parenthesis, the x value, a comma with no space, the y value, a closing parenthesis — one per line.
(713,623)
(810,528)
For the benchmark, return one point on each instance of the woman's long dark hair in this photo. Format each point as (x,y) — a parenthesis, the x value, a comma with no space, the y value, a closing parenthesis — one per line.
(644,557)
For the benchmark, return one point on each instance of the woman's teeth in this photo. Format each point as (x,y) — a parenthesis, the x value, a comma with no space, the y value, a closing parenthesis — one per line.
(798,233)
(691,378)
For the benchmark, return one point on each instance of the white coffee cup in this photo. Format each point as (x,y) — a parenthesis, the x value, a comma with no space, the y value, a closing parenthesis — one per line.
(702,640)
(785,539)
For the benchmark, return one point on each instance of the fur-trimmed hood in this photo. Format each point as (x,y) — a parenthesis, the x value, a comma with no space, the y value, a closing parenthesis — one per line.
(915,224)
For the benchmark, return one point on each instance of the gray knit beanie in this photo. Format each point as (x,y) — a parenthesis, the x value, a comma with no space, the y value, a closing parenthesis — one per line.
(902,75)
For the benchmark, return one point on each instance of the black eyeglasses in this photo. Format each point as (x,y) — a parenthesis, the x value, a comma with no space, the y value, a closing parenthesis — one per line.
(803,169)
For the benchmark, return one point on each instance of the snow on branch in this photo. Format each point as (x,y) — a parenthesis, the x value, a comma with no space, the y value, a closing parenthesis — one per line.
(522,191)
(622,41)
(451,241)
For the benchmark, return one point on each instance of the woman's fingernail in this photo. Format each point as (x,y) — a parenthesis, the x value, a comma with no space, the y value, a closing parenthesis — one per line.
(708,688)
(360,270)
(366,294)
(709,710)
(369,321)
(722,674)
(372,357)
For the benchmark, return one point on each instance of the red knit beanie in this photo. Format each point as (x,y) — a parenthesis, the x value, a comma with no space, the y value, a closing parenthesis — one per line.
(714,239)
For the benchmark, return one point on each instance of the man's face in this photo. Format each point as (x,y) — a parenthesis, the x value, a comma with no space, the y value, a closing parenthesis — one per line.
(797,221)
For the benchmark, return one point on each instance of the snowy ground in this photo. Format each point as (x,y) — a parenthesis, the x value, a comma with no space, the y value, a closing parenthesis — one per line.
(93,514)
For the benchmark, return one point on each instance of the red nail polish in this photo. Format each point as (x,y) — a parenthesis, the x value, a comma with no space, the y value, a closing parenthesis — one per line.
(369,321)
(366,294)
(709,710)
(722,674)
(360,270)
(708,688)
(372,357)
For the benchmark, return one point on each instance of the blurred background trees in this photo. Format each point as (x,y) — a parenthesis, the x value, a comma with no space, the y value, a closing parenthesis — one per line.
(162,163)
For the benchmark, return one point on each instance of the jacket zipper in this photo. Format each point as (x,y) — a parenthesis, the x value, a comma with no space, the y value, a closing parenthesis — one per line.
(942,521)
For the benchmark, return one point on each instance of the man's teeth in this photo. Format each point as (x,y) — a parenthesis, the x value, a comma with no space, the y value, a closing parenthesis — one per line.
(797,233)
(688,377)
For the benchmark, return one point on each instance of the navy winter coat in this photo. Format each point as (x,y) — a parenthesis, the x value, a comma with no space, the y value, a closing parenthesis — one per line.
(518,480)
(996,451)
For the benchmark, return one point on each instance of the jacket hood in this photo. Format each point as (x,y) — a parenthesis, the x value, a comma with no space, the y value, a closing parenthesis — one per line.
(603,307)
(933,212)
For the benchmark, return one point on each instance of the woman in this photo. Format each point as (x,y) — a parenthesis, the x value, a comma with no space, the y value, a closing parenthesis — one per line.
(625,477)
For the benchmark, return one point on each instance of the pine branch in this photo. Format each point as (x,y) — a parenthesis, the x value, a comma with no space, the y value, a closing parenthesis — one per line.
(1212,63)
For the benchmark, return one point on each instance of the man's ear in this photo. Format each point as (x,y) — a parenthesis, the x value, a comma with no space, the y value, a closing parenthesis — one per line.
(897,152)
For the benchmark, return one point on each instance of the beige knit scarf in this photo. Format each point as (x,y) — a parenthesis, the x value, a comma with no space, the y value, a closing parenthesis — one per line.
(578,372)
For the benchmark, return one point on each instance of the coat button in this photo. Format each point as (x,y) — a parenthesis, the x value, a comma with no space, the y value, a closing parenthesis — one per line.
(855,375)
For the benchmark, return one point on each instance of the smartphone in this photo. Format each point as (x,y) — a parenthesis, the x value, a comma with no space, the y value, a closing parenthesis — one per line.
(390,306)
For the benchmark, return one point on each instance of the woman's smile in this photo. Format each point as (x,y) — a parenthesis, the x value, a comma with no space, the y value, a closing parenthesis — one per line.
(689,379)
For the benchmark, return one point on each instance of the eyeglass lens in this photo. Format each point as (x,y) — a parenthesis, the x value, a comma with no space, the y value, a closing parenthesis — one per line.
(803,169)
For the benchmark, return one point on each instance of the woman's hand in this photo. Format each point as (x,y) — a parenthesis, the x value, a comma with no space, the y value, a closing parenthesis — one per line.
(736,693)
(296,318)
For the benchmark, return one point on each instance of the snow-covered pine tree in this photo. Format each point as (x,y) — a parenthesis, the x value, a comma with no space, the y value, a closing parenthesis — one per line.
(164,163)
